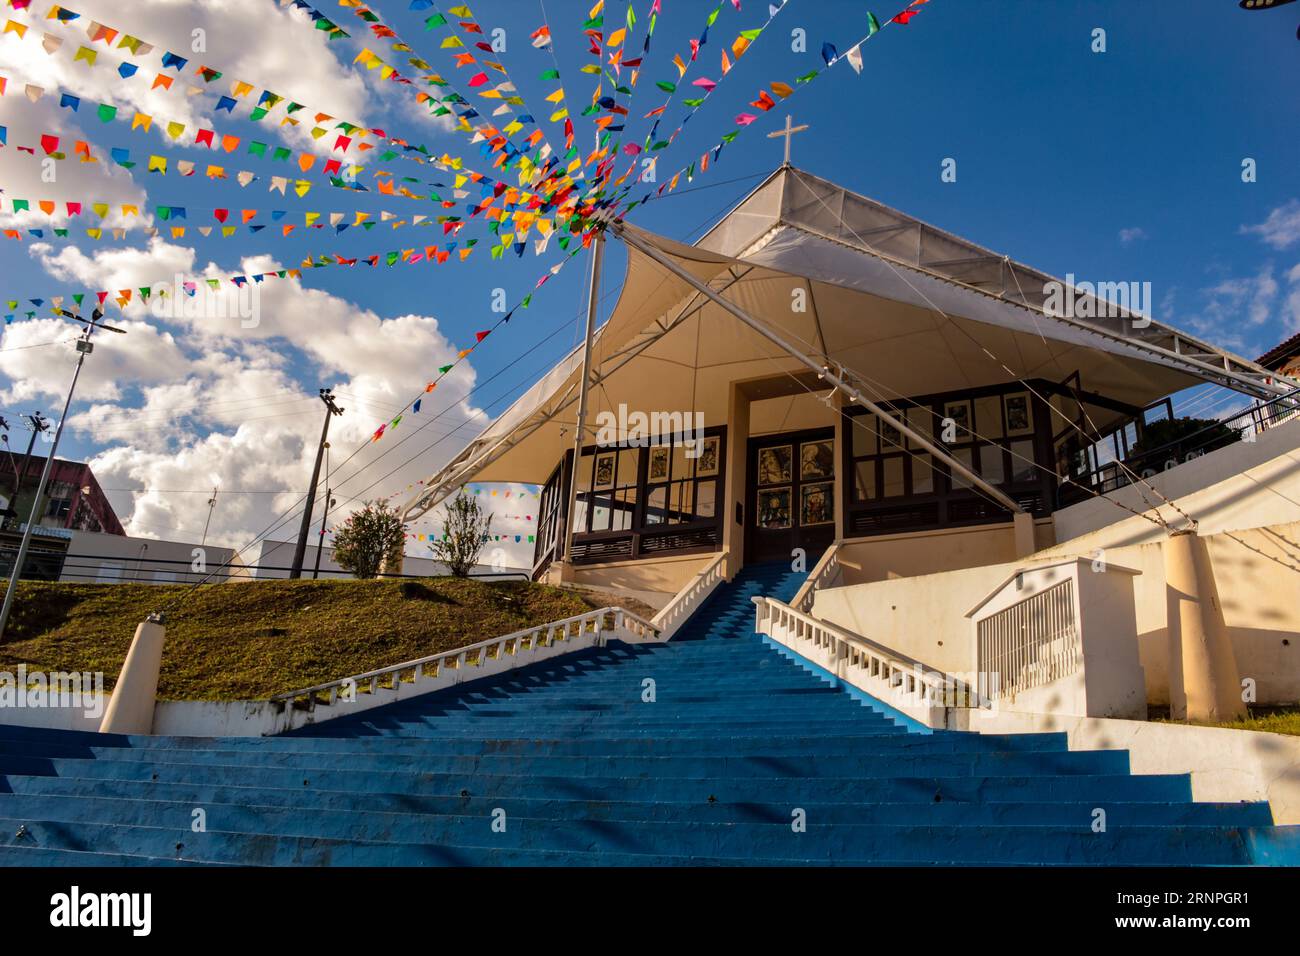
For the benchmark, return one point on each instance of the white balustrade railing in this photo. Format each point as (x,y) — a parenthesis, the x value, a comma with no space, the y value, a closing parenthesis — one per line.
(437,671)
(895,679)
(826,573)
(688,600)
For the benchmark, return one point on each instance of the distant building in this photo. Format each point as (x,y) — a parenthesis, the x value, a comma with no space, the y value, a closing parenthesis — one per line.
(93,558)
(72,502)
(73,499)
(1284,357)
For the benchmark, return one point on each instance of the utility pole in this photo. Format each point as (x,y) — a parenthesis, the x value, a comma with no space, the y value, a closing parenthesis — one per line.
(36,424)
(13,463)
(325,515)
(211,504)
(84,348)
(300,551)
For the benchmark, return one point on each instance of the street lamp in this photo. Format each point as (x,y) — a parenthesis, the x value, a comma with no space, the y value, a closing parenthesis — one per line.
(84,348)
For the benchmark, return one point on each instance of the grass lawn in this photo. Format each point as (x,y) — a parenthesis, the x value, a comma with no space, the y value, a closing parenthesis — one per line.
(1273,720)
(240,641)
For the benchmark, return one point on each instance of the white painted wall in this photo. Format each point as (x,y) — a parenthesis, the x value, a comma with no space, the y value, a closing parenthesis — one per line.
(1226,765)
(1256,571)
(1109,681)
(279,554)
(113,558)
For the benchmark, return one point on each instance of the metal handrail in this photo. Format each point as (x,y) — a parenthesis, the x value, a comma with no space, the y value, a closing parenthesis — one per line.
(1112,475)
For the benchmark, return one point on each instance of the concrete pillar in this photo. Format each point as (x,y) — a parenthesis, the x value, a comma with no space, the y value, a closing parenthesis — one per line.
(1024,530)
(560,572)
(130,710)
(732,498)
(1204,684)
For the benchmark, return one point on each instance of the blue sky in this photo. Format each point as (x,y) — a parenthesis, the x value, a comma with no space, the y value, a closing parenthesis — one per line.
(1123,165)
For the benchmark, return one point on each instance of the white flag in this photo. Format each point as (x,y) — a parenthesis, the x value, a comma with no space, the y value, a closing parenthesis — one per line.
(854,57)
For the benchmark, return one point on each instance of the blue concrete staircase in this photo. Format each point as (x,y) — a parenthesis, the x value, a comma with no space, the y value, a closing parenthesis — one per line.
(565,763)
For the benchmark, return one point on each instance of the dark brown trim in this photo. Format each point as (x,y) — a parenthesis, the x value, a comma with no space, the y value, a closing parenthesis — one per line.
(947,505)
(643,540)
(762,544)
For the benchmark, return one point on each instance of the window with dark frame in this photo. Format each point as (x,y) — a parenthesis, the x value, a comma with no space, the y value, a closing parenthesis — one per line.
(993,433)
(658,492)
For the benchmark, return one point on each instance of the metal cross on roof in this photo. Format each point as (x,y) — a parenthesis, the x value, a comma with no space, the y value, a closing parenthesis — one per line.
(788,133)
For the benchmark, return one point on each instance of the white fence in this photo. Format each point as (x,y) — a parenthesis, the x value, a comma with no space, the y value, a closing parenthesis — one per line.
(1031,643)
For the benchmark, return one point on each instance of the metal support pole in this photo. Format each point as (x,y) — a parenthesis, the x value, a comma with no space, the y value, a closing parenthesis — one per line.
(762,329)
(593,298)
(84,348)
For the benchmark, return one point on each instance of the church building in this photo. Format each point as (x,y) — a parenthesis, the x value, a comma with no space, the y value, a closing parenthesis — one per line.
(819,367)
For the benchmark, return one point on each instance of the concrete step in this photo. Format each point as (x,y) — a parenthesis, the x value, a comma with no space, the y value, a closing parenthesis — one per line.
(996,763)
(348,748)
(819,844)
(404,788)
(548,762)
(356,816)
(711,773)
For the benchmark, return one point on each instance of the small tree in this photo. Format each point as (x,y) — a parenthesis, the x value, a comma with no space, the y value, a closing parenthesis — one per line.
(465,529)
(369,538)
(1175,438)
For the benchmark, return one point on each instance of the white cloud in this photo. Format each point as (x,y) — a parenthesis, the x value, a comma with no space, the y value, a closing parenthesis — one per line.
(1282,227)
(1129,236)
(1245,313)
(250,40)
(183,402)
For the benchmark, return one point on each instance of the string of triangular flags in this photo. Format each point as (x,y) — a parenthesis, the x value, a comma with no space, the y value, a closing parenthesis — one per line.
(703,84)
(508,100)
(411,256)
(413,406)
(347,135)
(779,91)
(230,222)
(449,99)
(124,297)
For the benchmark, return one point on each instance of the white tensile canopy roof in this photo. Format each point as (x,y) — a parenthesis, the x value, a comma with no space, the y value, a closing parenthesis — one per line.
(907,309)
